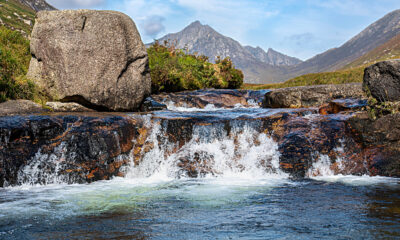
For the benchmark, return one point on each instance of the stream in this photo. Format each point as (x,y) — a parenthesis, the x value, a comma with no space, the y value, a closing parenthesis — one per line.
(195,177)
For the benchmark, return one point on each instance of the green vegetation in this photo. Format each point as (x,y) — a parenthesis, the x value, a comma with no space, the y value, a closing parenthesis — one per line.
(339,77)
(14,62)
(175,70)
(16,16)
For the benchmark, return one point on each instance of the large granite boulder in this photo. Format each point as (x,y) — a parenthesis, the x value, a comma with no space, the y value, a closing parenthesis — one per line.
(310,96)
(94,58)
(382,80)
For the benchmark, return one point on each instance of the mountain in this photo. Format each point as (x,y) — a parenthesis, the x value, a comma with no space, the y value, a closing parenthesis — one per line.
(386,51)
(38,5)
(272,57)
(271,66)
(256,64)
(373,36)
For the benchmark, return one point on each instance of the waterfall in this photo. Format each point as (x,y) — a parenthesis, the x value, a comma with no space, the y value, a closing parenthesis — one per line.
(212,151)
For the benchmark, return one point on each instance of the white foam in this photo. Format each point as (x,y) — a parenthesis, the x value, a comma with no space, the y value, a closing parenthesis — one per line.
(244,154)
(358,180)
(208,108)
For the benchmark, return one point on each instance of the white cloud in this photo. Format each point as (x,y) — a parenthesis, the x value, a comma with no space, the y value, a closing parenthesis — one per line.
(74,4)
(153,25)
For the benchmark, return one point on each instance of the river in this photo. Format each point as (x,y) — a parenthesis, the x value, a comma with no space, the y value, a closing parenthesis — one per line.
(221,184)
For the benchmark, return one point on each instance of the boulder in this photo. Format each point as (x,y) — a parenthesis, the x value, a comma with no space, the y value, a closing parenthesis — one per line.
(16,107)
(382,80)
(94,58)
(310,96)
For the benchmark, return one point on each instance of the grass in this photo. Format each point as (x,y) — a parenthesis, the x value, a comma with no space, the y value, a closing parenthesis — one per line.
(338,77)
(8,14)
(14,62)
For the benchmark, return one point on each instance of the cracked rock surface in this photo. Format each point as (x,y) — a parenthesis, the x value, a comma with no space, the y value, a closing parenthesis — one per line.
(94,58)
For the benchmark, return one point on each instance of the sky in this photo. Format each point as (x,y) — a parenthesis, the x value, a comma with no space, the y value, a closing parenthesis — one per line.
(299,28)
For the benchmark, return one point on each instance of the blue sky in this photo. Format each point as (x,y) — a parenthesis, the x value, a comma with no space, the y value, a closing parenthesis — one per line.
(299,28)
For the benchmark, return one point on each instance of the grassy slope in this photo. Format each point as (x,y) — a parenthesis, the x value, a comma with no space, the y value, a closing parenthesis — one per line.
(388,50)
(14,52)
(12,21)
(352,72)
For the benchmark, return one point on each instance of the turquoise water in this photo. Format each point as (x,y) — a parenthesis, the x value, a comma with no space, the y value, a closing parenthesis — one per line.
(336,207)
(245,196)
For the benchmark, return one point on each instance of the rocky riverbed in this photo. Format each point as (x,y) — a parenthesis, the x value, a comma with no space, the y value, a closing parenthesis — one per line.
(87,147)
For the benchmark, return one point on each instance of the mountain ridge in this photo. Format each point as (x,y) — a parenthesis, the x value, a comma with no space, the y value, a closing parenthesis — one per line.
(261,67)
(204,40)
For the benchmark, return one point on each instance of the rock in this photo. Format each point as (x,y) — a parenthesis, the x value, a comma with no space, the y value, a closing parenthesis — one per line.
(151,105)
(222,98)
(310,96)
(342,105)
(296,156)
(381,142)
(15,107)
(94,58)
(64,148)
(67,107)
(382,80)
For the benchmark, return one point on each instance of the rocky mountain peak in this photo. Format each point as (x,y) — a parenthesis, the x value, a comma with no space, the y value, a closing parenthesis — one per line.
(203,39)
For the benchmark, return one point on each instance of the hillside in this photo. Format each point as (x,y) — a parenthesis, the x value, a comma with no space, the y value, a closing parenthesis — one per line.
(17,16)
(37,5)
(256,64)
(388,50)
(373,36)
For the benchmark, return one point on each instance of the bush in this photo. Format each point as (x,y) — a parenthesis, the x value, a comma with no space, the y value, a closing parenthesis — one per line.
(14,63)
(175,70)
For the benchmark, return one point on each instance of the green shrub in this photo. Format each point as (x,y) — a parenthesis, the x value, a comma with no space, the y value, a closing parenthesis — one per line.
(175,70)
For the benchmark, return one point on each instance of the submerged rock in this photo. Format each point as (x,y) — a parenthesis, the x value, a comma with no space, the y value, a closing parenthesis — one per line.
(221,98)
(94,58)
(310,96)
(382,80)
(342,105)
(150,104)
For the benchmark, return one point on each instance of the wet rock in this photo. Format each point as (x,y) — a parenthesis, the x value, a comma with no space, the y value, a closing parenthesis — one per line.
(197,164)
(382,80)
(67,107)
(381,142)
(310,96)
(222,98)
(151,105)
(296,156)
(342,105)
(15,107)
(64,148)
(94,58)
